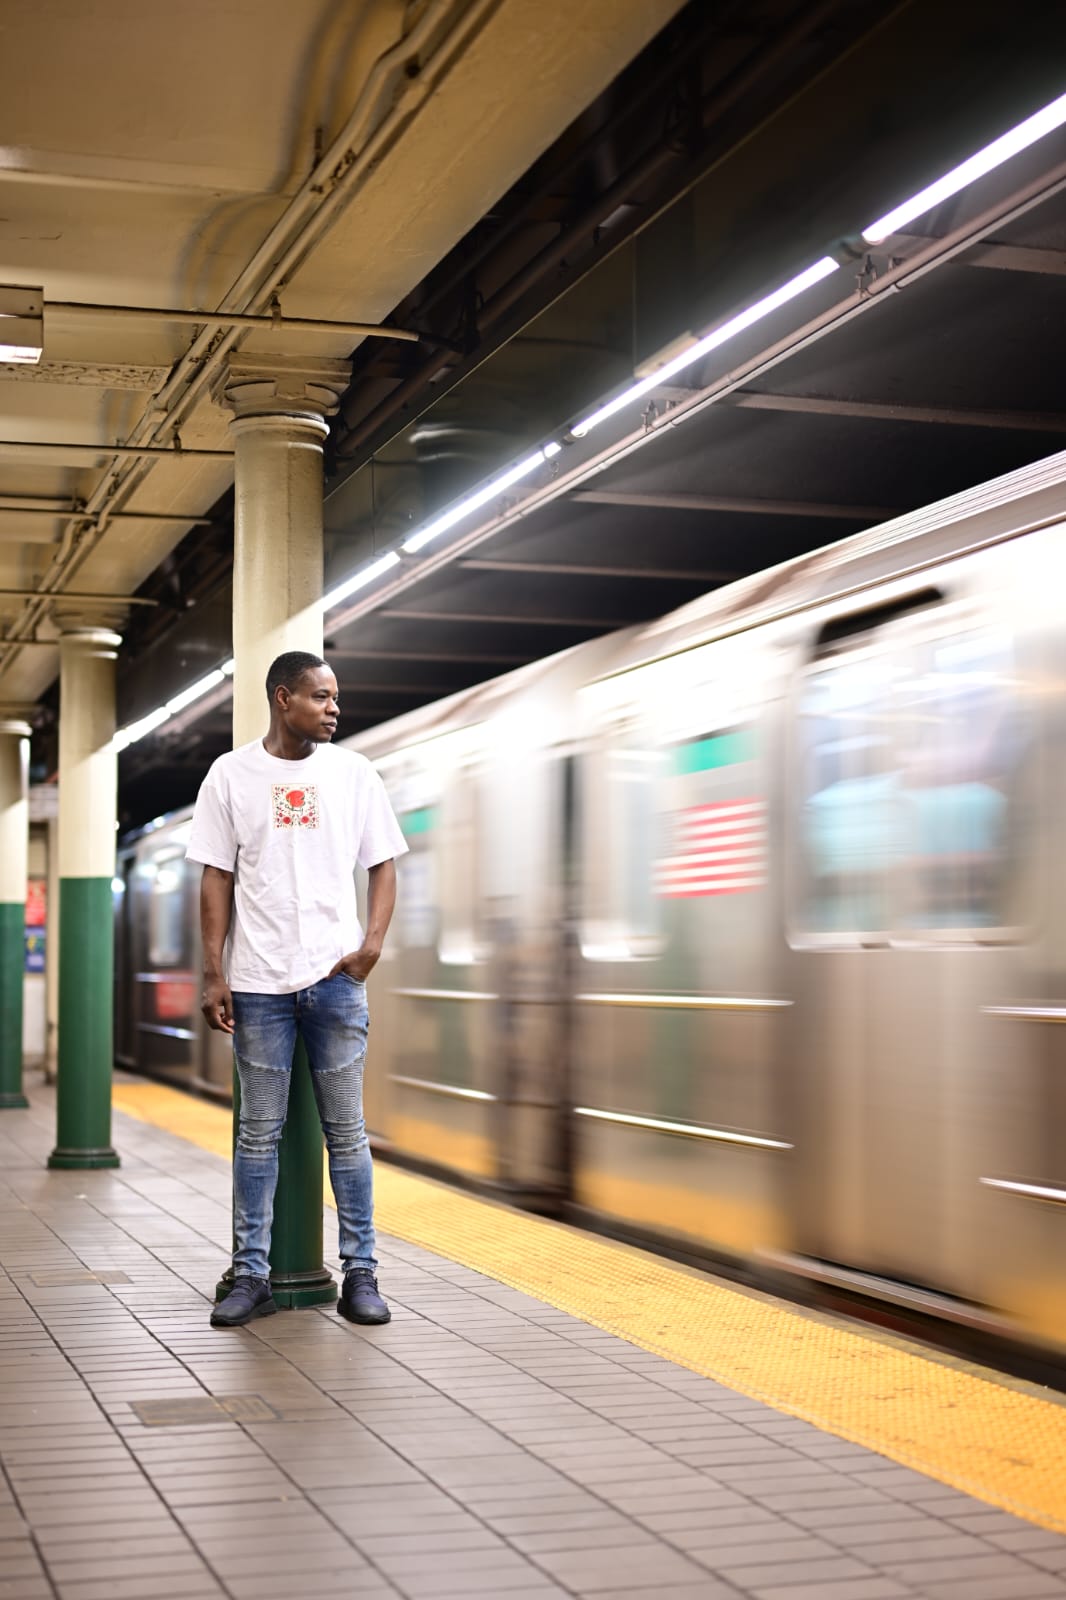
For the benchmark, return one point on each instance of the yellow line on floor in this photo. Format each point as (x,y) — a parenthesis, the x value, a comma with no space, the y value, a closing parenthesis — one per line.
(1004,1445)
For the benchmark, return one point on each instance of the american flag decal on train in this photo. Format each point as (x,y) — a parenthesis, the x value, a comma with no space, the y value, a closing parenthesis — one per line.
(716,849)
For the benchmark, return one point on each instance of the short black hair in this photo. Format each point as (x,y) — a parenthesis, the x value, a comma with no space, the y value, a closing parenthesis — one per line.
(288,669)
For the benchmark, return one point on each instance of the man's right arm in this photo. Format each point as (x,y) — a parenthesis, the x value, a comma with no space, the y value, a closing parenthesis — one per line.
(216,909)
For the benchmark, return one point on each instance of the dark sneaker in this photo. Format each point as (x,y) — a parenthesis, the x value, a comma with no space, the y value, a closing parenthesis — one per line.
(360,1301)
(249,1297)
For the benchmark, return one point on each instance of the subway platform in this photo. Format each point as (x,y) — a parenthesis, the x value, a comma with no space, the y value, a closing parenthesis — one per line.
(547,1415)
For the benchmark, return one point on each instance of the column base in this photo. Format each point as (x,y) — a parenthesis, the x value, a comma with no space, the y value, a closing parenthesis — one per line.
(12,1101)
(291,1290)
(70,1160)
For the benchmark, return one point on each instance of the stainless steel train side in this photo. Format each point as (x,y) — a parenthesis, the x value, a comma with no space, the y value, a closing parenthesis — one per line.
(745,930)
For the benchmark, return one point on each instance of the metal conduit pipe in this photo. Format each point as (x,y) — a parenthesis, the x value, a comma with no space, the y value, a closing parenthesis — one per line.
(121,451)
(15,508)
(578,233)
(95,599)
(226,319)
(324,192)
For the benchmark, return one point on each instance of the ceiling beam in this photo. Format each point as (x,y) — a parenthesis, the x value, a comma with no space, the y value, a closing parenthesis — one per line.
(62,447)
(38,535)
(1004,257)
(62,596)
(745,507)
(571,569)
(13,506)
(952,416)
(82,309)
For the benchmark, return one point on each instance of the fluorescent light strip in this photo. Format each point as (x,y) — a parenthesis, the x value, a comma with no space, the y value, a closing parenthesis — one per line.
(146,725)
(359,580)
(441,524)
(993,155)
(138,730)
(481,497)
(728,330)
(194,691)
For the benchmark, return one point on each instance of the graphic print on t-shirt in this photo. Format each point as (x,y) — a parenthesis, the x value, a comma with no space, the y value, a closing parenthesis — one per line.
(295,808)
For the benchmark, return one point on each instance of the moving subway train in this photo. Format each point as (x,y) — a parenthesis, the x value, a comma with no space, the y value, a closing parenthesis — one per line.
(744,931)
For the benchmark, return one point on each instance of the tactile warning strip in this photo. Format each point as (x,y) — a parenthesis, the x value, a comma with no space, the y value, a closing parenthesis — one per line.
(1002,1444)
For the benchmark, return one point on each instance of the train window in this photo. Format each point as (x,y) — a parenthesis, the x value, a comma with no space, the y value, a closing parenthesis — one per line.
(459,867)
(166,911)
(852,821)
(622,909)
(966,738)
(416,903)
(911,746)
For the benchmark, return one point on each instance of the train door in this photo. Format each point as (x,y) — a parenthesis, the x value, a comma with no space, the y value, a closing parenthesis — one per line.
(162,903)
(677,1007)
(911,749)
(435,1005)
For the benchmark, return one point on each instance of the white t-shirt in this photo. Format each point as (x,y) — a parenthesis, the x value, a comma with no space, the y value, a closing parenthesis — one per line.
(292,833)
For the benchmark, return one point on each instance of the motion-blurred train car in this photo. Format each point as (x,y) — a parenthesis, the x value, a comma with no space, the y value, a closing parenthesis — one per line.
(744,931)
(159,1028)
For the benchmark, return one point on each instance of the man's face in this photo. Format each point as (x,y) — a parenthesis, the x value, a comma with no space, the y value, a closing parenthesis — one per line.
(310,708)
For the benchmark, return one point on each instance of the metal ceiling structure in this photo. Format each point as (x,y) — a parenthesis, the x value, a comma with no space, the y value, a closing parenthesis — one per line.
(546,234)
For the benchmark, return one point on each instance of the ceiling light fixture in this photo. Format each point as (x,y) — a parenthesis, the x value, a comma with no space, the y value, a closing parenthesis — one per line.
(473,502)
(139,729)
(993,155)
(194,691)
(21,325)
(711,341)
(360,579)
(185,697)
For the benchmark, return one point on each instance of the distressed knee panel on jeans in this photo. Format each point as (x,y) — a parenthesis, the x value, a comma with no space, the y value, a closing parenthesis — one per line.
(339,1097)
(264,1101)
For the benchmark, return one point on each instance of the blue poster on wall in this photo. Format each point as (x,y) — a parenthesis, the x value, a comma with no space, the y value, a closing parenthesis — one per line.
(34,949)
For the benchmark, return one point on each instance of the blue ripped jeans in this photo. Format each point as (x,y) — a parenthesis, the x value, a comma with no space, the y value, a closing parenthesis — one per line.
(331,1018)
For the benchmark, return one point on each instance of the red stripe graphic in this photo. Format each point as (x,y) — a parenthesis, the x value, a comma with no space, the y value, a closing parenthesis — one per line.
(716,849)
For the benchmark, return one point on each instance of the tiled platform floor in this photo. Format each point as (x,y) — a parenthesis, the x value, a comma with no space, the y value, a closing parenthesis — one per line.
(482,1444)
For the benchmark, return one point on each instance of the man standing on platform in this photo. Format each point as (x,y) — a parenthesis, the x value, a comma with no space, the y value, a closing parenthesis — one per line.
(279,827)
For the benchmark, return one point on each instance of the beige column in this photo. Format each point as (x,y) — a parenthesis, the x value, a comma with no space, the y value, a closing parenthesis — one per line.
(88,783)
(279,429)
(14,856)
(14,809)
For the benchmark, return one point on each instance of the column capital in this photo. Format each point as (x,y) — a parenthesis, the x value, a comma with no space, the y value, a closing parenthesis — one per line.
(90,638)
(14,728)
(281,386)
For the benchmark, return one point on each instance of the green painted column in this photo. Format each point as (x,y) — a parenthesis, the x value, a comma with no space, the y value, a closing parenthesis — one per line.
(14,852)
(279,429)
(86,839)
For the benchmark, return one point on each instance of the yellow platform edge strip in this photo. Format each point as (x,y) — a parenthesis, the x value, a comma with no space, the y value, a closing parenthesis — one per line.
(1003,1446)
